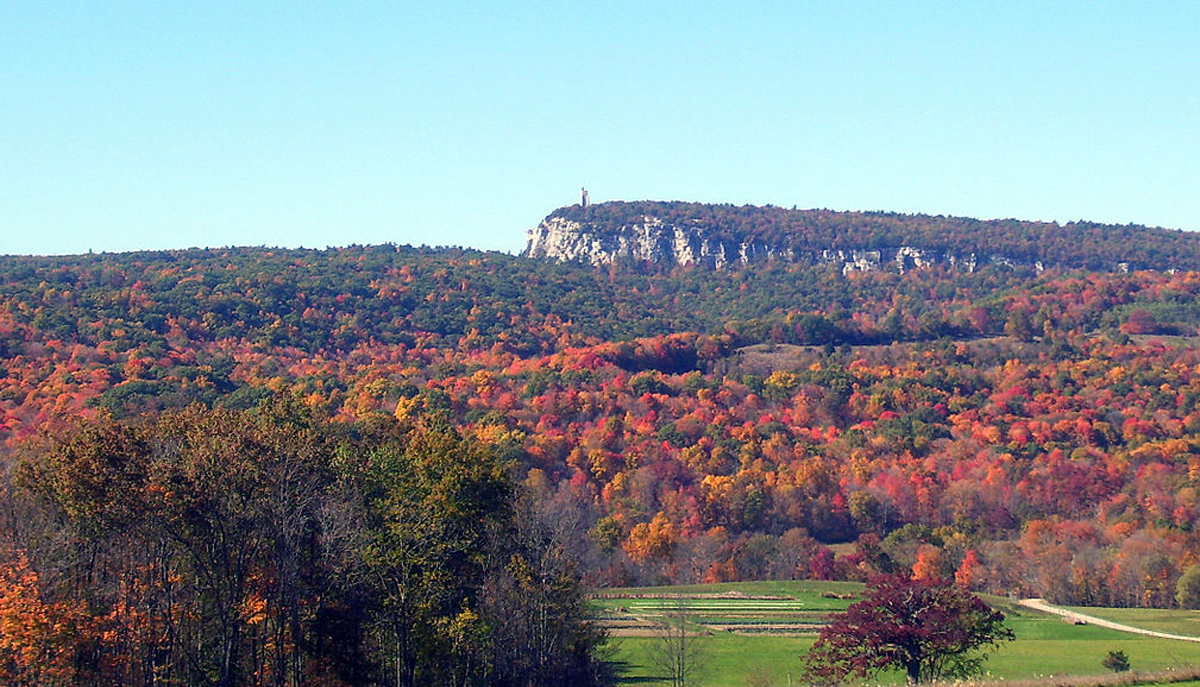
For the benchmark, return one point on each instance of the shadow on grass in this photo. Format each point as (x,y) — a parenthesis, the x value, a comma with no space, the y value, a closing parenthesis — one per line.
(621,669)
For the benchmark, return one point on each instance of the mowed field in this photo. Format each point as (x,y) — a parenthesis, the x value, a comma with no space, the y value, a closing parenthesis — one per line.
(755,635)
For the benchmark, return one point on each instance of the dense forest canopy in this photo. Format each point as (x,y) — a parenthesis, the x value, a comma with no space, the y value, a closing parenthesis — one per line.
(1021,432)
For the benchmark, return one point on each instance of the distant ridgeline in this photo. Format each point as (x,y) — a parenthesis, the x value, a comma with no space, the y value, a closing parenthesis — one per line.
(724,236)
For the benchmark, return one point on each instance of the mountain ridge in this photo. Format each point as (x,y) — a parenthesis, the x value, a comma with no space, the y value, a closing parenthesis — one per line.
(673,233)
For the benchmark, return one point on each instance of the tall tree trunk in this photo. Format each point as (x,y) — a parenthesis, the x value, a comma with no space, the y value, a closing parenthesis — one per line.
(913,668)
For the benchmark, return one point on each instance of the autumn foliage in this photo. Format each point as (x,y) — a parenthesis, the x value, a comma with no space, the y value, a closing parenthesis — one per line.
(1021,432)
(224,547)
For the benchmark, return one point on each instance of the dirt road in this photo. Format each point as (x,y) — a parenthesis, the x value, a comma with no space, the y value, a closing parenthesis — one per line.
(1041,605)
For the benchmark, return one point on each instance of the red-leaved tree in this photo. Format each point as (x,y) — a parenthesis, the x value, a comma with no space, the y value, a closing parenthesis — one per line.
(929,628)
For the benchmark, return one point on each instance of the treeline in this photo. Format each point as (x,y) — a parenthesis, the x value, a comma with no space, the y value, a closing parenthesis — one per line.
(220,547)
(1077,244)
(331,302)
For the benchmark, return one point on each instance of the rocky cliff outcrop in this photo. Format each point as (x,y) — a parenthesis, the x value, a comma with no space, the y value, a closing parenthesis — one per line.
(652,240)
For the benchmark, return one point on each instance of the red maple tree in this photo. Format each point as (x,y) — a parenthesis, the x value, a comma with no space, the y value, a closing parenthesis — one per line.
(929,628)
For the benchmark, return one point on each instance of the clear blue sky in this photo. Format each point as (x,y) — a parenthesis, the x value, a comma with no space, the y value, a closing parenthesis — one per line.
(144,125)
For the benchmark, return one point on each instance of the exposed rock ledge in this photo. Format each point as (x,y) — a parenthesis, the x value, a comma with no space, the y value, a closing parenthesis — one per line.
(652,240)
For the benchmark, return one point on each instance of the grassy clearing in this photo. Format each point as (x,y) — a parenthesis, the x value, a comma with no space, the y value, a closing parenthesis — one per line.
(728,660)
(779,608)
(745,645)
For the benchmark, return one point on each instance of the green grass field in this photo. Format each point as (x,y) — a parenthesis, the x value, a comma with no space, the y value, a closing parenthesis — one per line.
(758,632)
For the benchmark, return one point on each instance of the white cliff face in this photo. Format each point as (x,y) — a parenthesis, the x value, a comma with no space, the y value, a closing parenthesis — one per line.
(852,260)
(649,240)
(654,241)
(966,262)
(908,257)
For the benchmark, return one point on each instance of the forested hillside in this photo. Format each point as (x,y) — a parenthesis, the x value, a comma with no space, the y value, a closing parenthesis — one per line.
(1025,433)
